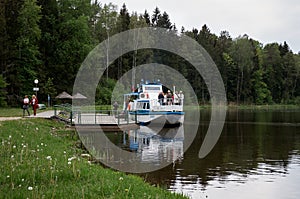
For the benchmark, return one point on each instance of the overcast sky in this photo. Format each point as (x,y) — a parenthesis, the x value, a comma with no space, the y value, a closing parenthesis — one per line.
(264,20)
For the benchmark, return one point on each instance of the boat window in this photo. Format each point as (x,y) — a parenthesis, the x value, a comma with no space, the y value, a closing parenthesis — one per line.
(151,89)
(146,106)
(143,105)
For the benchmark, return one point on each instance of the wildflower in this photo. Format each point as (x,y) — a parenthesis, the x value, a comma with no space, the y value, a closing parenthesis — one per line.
(85,155)
(42,144)
(12,156)
(8,176)
(9,137)
(69,163)
(22,180)
(65,152)
(14,146)
(121,178)
(30,188)
(72,158)
(49,157)
(126,190)
(37,128)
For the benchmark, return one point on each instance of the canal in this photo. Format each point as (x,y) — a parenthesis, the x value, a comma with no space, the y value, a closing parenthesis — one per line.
(256,156)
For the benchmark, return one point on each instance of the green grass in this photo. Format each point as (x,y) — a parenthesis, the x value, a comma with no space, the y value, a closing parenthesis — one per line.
(11,112)
(39,159)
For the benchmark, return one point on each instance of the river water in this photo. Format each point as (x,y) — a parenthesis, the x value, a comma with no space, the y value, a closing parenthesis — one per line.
(256,156)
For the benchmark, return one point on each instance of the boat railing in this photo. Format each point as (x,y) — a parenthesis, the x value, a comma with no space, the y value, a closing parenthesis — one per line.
(169,101)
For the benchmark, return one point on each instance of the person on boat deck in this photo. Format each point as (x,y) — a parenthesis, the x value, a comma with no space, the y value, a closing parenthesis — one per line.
(181,97)
(130,105)
(176,98)
(161,98)
(169,97)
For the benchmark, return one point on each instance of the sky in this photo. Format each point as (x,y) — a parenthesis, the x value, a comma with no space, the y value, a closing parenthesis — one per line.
(267,21)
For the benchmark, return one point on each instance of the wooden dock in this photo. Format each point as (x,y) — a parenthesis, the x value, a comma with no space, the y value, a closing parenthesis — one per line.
(104,118)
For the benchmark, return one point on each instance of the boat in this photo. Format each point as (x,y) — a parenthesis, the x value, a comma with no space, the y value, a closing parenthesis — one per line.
(156,104)
(155,145)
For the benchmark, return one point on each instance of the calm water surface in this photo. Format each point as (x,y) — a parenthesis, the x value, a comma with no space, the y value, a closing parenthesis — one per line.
(257,155)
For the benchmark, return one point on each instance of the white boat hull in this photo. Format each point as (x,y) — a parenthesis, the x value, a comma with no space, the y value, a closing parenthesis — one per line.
(170,118)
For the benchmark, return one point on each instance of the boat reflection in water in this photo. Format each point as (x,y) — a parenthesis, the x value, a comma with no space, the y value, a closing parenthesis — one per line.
(155,145)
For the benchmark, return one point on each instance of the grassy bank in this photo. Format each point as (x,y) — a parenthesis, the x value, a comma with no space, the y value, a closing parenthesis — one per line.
(39,159)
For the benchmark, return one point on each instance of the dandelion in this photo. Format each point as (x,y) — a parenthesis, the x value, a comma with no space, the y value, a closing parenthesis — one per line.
(12,156)
(72,158)
(121,178)
(49,157)
(30,188)
(42,144)
(14,146)
(22,180)
(69,163)
(8,176)
(126,190)
(65,152)
(37,128)
(20,185)
(9,137)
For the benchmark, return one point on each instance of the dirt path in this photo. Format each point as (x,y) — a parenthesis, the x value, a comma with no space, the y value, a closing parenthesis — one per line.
(9,118)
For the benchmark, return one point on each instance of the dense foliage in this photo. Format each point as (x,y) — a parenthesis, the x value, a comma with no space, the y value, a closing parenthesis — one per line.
(49,39)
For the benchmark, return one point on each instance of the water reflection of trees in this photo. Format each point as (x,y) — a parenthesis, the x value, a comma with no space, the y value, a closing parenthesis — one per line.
(255,146)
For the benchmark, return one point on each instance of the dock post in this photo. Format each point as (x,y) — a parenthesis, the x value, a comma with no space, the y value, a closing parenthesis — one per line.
(118,117)
(71,117)
(55,111)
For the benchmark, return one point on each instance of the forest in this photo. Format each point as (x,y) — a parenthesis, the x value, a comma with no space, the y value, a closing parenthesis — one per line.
(49,39)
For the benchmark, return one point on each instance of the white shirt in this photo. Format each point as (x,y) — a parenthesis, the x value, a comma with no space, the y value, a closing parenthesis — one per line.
(26,100)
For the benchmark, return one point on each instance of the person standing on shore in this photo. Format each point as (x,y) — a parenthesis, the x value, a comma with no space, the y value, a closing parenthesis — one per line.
(26,105)
(34,103)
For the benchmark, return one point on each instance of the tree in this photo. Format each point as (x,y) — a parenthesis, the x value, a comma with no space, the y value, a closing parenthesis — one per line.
(262,94)
(146,16)
(272,65)
(29,55)
(242,53)
(163,21)
(3,92)
(9,32)
(49,88)
(155,16)
(123,19)
(75,42)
